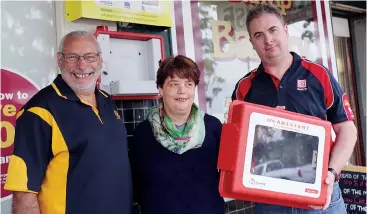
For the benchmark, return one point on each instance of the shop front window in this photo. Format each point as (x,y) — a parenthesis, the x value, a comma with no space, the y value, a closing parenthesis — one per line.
(228,54)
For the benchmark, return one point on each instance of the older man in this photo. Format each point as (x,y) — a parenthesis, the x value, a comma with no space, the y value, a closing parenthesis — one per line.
(70,149)
(285,80)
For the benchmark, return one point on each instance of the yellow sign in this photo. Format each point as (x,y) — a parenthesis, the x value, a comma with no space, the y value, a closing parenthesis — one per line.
(153,12)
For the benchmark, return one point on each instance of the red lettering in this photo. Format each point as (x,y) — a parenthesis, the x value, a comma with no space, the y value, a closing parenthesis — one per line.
(348,200)
(359,200)
(311,191)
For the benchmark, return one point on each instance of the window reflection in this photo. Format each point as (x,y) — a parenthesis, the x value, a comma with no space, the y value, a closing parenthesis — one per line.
(227,52)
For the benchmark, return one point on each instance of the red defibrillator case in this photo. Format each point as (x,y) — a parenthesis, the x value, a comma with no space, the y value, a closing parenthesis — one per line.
(274,156)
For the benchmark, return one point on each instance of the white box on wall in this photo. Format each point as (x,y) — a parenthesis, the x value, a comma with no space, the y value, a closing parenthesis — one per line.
(133,88)
(129,63)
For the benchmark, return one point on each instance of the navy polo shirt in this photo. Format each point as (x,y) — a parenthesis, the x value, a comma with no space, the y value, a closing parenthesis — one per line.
(306,88)
(72,155)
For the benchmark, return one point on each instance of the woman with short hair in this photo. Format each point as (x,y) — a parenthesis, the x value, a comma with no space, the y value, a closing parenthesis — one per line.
(174,152)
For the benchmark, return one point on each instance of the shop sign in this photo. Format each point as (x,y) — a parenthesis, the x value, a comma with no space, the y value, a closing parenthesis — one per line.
(153,12)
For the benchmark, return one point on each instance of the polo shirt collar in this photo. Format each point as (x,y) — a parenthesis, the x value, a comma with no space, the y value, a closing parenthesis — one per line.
(296,61)
(63,90)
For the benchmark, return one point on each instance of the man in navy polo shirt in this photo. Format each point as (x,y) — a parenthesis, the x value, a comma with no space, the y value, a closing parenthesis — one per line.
(285,80)
(70,148)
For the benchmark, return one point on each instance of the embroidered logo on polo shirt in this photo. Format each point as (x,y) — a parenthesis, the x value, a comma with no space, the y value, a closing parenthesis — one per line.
(301,85)
(347,108)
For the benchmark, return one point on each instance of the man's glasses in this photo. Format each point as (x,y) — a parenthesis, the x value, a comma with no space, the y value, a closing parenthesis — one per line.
(74,58)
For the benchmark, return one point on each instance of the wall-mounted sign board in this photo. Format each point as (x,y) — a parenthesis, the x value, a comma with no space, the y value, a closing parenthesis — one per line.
(153,12)
(353,186)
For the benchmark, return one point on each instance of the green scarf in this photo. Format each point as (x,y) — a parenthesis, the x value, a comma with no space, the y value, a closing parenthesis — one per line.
(173,139)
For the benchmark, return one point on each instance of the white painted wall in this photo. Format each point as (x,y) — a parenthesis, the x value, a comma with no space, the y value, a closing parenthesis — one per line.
(28,39)
(340,27)
(28,46)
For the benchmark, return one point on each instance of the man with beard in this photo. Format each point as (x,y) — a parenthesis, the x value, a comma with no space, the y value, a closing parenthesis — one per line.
(70,147)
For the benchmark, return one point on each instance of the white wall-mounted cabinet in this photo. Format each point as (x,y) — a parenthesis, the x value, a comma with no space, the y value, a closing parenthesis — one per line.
(130,63)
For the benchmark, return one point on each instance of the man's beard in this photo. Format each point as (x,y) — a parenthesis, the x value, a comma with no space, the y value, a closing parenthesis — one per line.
(69,77)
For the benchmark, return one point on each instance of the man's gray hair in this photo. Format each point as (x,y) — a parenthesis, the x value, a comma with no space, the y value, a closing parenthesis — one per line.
(78,33)
(257,10)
